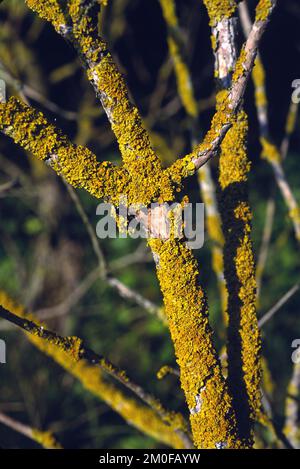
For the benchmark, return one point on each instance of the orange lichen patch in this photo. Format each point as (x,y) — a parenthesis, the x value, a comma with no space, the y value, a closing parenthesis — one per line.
(92,379)
(77,164)
(220,9)
(263,10)
(45,439)
(269,151)
(200,373)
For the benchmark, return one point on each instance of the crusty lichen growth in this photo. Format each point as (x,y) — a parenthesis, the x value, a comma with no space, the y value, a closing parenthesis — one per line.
(77,164)
(243,332)
(45,439)
(263,10)
(79,24)
(92,379)
(164,371)
(184,81)
(211,414)
(220,9)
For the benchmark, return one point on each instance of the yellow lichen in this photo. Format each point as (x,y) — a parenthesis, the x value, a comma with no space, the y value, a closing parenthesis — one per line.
(45,439)
(169,12)
(220,9)
(239,68)
(200,373)
(269,151)
(291,119)
(259,78)
(139,158)
(50,10)
(184,82)
(235,166)
(263,10)
(214,228)
(295,214)
(92,379)
(148,181)
(243,333)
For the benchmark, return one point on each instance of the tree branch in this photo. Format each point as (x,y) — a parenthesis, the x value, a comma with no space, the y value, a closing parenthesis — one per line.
(76,352)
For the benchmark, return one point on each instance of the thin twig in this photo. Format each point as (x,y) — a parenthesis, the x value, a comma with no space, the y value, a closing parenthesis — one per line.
(45,439)
(74,346)
(123,290)
(265,243)
(26,91)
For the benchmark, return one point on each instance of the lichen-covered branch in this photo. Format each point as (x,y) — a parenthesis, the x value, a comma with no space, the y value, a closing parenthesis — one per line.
(43,438)
(77,22)
(243,346)
(270,152)
(206,183)
(78,165)
(291,426)
(74,358)
(222,120)
(211,414)
(123,290)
